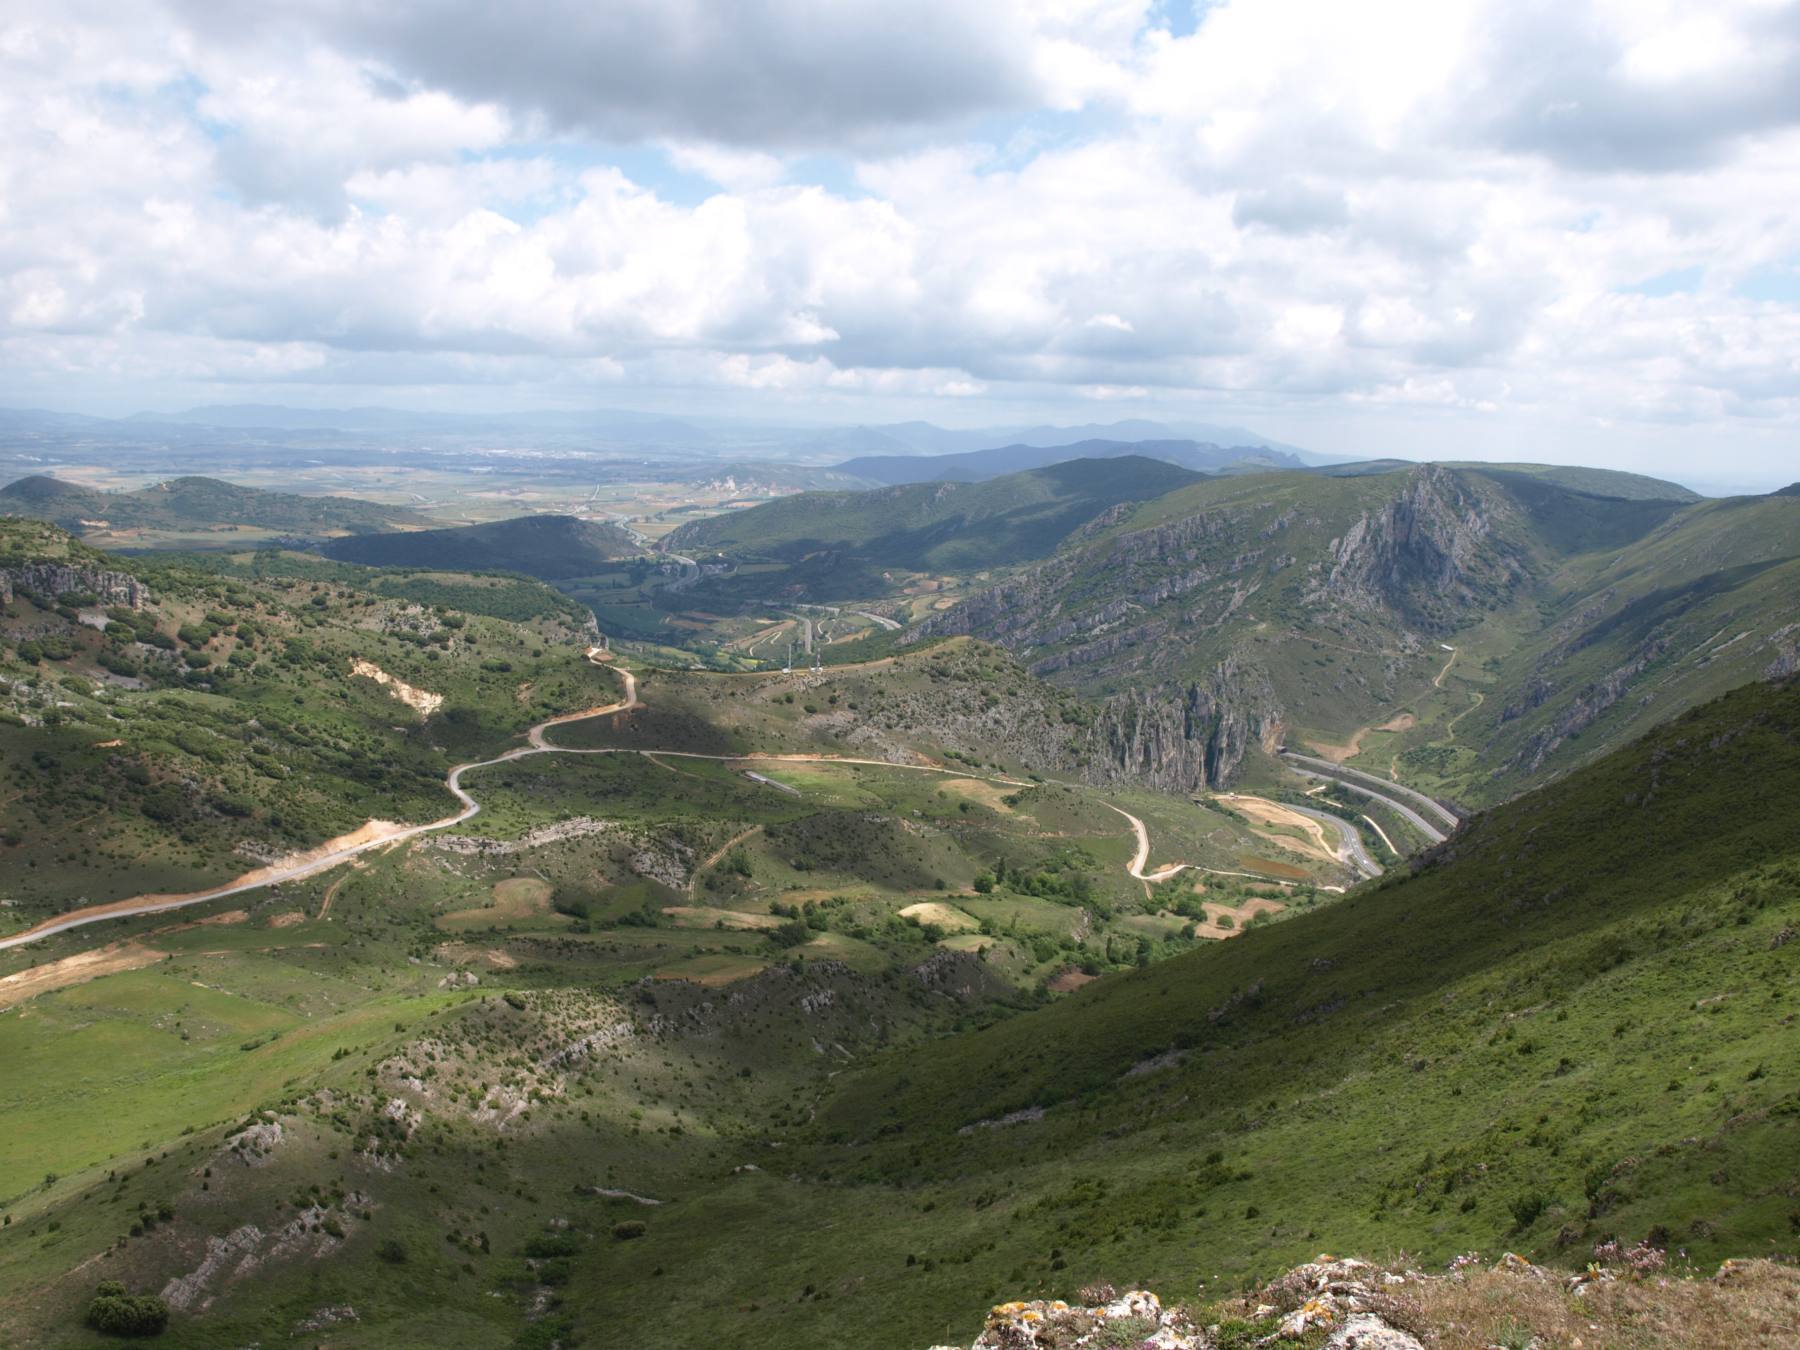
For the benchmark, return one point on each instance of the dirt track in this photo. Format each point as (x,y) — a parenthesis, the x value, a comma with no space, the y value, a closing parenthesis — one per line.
(379,833)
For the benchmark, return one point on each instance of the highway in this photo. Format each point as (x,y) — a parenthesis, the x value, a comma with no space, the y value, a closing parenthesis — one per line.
(1336,773)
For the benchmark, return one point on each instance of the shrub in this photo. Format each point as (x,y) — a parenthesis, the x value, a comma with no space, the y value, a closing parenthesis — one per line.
(393,1251)
(629,1229)
(1526,1209)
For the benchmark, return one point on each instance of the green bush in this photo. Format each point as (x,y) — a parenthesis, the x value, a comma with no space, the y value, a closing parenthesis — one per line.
(115,1312)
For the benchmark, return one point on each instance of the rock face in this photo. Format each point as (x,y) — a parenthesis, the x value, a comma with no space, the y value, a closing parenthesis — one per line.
(1174,621)
(1184,740)
(55,578)
(1425,556)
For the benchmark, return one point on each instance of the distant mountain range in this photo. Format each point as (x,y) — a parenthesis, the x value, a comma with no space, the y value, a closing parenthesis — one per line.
(975,466)
(926,438)
(196,503)
(598,429)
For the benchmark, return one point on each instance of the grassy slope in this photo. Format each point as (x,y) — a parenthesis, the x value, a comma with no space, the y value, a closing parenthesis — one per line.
(1395,1071)
(198,502)
(1634,636)
(942,526)
(552,547)
(243,727)
(1576,1023)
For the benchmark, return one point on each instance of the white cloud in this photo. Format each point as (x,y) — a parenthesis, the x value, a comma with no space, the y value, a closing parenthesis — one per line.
(1301,206)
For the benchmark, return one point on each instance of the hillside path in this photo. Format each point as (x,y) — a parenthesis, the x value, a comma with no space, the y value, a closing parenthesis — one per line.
(380,834)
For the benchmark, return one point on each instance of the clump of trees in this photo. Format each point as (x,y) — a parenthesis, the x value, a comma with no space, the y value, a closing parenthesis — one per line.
(118,1312)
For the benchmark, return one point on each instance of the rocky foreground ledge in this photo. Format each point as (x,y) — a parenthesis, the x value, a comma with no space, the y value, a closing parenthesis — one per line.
(1623,1299)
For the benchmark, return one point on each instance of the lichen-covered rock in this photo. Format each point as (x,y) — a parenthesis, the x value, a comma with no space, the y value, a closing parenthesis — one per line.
(1136,1318)
(1364,1331)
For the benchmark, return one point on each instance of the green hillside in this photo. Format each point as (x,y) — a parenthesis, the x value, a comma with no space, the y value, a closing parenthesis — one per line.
(1571,1024)
(160,714)
(841,541)
(187,505)
(551,547)
(439,1086)
(1457,628)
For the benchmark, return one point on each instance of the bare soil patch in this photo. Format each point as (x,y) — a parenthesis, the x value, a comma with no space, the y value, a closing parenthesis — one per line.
(287,919)
(1260,809)
(420,701)
(988,794)
(940,915)
(1065,980)
(1227,921)
(1269,867)
(76,969)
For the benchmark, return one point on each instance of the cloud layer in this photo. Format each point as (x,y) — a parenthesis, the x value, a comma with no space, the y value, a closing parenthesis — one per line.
(1577,214)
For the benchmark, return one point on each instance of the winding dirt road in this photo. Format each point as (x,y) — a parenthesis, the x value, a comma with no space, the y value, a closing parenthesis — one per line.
(381,834)
(376,834)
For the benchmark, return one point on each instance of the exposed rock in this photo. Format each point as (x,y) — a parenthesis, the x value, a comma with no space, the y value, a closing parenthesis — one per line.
(1137,1319)
(1185,741)
(254,1146)
(1364,1331)
(54,578)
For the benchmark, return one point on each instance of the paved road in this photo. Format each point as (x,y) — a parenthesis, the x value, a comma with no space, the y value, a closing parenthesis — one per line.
(1424,826)
(1354,851)
(1357,778)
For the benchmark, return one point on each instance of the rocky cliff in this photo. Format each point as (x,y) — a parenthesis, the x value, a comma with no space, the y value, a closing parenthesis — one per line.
(1171,623)
(1184,739)
(57,578)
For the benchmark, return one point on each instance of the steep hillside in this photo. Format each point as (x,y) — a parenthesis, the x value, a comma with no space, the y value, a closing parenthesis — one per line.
(1708,600)
(845,539)
(167,722)
(551,547)
(1571,1026)
(980,465)
(483,1088)
(195,504)
(1383,618)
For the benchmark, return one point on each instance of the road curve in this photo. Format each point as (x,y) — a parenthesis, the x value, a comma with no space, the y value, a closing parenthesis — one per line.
(313,863)
(1357,778)
(1354,851)
(1418,821)
(310,865)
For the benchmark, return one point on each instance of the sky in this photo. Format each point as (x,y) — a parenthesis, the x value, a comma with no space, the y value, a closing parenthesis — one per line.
(1558,231)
